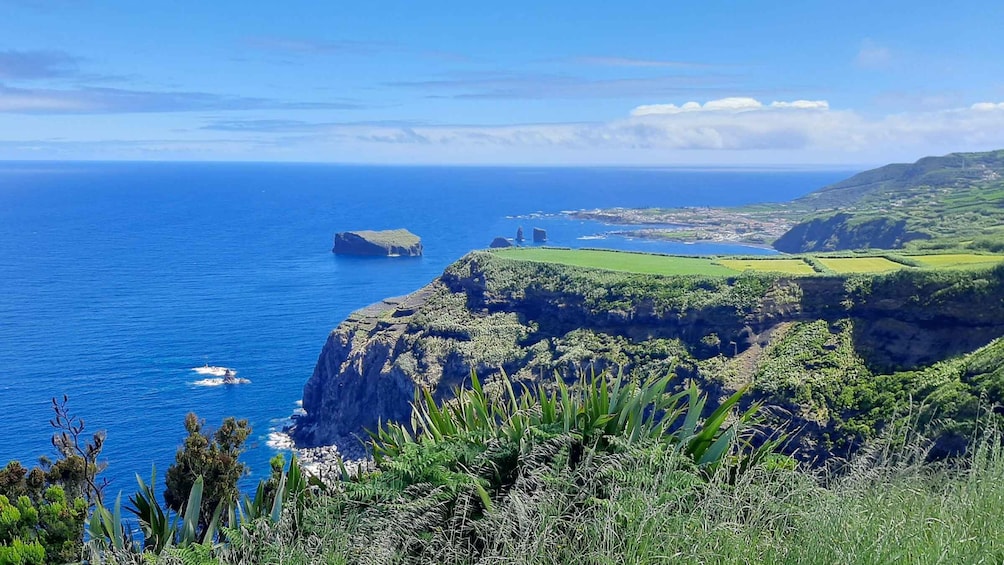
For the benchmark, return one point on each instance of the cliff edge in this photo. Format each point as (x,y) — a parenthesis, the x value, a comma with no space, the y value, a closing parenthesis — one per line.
(835,356)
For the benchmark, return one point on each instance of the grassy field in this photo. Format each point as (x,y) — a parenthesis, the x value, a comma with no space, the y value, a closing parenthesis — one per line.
(848,265)
(787,266)
(618,261)
(644,263)
(957,260)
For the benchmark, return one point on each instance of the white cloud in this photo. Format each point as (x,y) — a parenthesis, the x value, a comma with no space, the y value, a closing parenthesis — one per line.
(803,104)
(728,131)
(733,104)
(798,129)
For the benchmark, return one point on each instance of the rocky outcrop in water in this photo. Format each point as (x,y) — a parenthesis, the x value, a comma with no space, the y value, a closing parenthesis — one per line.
(387,243)
(519,235)
(499,243)
(539,235)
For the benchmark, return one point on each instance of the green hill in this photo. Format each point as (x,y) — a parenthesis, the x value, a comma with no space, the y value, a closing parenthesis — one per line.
(955,201)
(950,202)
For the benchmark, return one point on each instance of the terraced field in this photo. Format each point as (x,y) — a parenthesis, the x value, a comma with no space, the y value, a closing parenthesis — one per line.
(957,260)
(788,266)
(620,261)
(650,264)
(850,265)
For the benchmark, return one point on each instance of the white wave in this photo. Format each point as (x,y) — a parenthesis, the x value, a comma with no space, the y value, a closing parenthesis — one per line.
(221,382)
(280,441)
(213,370)
(591,237)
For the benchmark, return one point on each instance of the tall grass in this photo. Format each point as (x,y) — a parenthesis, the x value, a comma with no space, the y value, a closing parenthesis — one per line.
(646,504)
(613,472)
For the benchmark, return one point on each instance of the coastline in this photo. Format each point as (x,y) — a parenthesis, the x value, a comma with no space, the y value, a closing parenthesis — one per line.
(325,461)
(750,227)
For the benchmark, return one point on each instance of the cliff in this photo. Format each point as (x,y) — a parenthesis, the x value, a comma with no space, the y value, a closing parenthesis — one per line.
(819,349)
(844,231)
(387,243)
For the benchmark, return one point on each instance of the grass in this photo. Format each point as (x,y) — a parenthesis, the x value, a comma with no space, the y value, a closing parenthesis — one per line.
(787,266)
(641,263)
(957,260)
(848,265)
(644,505)
(652,264)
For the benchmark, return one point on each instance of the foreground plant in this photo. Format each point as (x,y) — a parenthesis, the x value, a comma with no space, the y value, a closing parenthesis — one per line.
(492,431)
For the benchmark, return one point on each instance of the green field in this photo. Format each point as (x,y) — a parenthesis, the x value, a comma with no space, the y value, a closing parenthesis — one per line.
(787,266)
(619,261)
(842,265)
(957,260)
(649,264)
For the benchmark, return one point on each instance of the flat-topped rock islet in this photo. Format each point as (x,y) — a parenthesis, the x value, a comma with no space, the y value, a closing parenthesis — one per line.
(386,243)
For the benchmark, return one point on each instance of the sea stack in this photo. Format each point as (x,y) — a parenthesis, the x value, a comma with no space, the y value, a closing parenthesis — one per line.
(387,243)
(539,235)
(519,235)
(500,242)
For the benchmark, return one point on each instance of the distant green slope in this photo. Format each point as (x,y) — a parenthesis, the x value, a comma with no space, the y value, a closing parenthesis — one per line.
(954,201)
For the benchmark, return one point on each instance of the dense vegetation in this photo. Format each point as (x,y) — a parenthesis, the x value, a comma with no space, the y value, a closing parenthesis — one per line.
(588,475)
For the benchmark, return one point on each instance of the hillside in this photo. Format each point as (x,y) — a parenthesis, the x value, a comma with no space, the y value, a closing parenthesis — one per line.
(938,202)
(835,356)
(951,202)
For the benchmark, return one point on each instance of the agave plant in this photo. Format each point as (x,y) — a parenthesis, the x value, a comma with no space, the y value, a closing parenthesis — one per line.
(471,427)
(160,530)
(294,487)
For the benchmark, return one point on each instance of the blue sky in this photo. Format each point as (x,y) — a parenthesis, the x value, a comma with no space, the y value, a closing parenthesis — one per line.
(618,83)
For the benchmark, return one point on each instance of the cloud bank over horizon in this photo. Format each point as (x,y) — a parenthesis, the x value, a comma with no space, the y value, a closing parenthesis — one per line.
(803,130)
(744,130)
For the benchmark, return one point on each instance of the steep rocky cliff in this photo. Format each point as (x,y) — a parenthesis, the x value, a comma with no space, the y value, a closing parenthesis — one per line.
(799,340)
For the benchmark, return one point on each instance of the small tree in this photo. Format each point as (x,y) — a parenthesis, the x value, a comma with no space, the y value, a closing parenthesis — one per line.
(214,457)
(77,467)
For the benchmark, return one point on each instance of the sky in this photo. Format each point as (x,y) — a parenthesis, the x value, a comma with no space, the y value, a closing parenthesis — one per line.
(664,83)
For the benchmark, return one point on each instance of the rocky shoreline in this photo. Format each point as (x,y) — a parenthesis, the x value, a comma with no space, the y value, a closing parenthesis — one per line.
(755,226)
(325,462)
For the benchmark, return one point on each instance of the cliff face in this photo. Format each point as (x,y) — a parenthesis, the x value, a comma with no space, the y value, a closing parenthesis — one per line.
(531,319)
(388,243)
(840,232)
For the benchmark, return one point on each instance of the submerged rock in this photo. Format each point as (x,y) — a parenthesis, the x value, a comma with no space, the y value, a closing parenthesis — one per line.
(539,235)
(387,243)
(499,242)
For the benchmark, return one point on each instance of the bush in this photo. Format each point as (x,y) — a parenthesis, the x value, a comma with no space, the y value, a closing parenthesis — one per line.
(214,457)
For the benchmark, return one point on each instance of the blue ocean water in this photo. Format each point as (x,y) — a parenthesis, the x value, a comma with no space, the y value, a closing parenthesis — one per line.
(116,279)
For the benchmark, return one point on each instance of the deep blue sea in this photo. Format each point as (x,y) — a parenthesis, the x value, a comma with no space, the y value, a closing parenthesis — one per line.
(116,279)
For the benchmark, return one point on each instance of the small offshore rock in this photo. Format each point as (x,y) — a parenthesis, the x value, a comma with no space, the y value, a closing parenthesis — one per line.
(539,235)
(519,235)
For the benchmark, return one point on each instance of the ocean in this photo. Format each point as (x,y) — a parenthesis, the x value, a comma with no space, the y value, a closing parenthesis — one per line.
(117,279)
